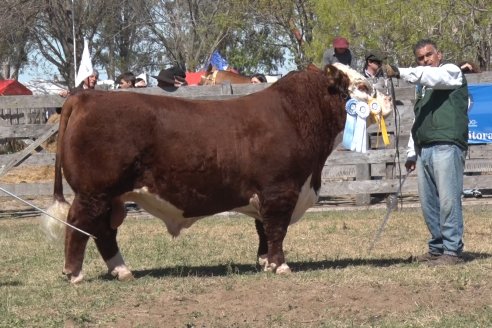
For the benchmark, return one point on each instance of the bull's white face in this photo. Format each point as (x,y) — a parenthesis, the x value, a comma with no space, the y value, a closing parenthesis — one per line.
(362,90)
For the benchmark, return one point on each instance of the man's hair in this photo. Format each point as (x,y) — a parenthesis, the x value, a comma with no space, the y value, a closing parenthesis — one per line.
(127,76)
(95,72)
(422,43)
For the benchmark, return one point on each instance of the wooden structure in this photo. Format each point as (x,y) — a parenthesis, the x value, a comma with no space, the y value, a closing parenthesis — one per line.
(377,172)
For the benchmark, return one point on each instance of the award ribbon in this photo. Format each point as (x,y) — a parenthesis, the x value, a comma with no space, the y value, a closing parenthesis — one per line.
(348,132)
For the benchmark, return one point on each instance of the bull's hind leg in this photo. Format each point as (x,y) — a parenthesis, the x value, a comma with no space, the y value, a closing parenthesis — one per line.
(93,216)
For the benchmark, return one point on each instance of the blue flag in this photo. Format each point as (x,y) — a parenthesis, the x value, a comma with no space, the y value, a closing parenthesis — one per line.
(218,61)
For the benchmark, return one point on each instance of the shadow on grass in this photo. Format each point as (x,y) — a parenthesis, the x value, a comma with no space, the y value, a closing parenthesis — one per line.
(14,283)
(245,269)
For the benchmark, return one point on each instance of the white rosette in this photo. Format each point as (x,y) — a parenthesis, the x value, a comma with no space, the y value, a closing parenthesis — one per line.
(348,132)
(359,142)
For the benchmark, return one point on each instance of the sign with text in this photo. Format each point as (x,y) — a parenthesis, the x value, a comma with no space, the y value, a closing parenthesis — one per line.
(480,114)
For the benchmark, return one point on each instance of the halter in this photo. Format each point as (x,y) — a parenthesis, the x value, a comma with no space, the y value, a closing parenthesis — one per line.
(211,77)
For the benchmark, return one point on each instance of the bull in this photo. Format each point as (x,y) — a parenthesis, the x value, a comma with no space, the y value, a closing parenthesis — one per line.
(182,160)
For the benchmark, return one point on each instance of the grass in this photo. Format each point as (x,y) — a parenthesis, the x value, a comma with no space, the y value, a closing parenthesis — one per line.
(207,277)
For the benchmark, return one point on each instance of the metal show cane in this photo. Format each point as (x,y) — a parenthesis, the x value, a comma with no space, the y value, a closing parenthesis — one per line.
(46,213)
(392,204)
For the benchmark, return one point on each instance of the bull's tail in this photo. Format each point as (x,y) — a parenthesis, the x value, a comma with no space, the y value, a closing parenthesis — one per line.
(59,209)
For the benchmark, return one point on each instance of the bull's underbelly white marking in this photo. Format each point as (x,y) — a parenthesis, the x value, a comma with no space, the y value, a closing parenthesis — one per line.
(307,198)
(175,221)
(171,215)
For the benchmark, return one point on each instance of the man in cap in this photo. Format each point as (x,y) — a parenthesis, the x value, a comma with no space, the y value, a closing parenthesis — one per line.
(339,54)
(171,78)
(372,67)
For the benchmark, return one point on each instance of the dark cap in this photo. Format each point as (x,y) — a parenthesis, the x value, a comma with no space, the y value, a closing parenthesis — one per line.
(168,75)
(340,42)
(375,56)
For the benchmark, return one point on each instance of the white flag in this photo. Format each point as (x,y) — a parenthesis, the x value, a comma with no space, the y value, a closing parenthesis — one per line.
(85,68)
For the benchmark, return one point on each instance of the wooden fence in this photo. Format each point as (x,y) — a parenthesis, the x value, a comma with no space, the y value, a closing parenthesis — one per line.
(377,172)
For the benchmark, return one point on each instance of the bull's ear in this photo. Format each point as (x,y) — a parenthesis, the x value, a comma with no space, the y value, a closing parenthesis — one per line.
(331,70)
(312,68)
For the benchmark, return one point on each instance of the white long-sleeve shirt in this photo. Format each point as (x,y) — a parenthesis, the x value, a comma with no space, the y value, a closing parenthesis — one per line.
(444,77)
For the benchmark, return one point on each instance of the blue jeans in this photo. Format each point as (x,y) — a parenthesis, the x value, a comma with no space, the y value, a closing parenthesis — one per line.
(440,170)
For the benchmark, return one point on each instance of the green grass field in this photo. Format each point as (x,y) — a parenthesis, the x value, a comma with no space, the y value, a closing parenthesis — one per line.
(207,277)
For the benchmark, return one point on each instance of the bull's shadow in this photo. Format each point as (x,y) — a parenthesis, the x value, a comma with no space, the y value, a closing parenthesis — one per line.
(245,269)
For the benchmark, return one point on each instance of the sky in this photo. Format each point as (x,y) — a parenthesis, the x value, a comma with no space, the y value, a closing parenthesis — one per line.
(40,69)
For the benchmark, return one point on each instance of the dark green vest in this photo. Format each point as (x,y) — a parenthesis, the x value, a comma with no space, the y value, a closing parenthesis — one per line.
(442,116)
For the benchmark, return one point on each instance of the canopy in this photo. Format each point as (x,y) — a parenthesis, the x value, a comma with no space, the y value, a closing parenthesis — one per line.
(13,88)
(480,114)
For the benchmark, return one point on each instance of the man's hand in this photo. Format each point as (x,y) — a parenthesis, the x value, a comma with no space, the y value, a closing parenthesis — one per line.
(391,71)
(410,165)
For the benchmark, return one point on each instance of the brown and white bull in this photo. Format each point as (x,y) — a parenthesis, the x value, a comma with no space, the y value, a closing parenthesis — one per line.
(182,160)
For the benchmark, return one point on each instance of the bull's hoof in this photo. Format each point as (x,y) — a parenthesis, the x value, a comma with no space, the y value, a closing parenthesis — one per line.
(76,279)
(73,278)
(283,269)
(122,273)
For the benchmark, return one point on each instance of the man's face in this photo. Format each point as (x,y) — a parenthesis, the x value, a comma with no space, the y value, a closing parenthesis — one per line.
(428,56)
(91,81)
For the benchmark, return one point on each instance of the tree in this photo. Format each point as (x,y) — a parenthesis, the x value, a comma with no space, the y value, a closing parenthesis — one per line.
(16,19)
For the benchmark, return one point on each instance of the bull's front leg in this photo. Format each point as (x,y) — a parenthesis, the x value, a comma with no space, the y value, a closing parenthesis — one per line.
(263,244)
(275,230)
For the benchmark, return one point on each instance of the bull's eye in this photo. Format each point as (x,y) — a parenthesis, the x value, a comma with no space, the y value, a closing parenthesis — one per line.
(362,87)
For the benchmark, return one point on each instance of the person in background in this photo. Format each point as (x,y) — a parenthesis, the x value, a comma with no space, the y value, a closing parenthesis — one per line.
(372,67)
(440,138)
(171,78)
(339,54)
(88,84)
(126,80)
(258,78)
(140,83)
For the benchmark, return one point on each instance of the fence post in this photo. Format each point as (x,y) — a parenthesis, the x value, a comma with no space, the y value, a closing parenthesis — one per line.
(362,173)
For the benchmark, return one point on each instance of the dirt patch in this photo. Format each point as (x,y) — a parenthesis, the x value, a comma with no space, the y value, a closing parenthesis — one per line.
(279,303)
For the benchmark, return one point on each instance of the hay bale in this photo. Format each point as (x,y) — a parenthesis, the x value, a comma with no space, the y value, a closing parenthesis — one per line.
(29,174)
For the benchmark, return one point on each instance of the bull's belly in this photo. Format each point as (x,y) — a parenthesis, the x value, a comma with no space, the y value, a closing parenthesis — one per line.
(175,221)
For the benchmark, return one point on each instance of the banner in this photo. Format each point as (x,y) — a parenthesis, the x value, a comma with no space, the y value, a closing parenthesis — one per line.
(85,68)
(480,114)
(218,61)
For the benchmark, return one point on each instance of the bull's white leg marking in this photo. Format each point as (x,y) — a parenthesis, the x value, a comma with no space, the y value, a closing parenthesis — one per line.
(263,261)
(117,268)
(307,198)
(171,215)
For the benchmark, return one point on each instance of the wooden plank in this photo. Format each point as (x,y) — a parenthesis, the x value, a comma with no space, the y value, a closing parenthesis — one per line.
(36,159)
(362,173)
(39,101)
(21,156)
(22,131)
(391,186)
(33,189)
(343,157)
